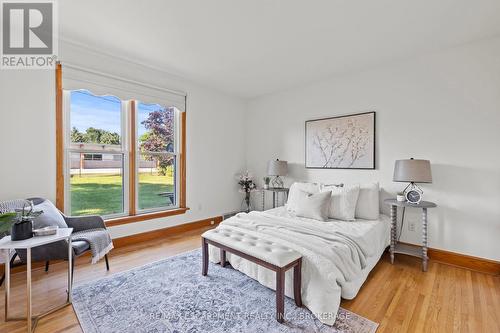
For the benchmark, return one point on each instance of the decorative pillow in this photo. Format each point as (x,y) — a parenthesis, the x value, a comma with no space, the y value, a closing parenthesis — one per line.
(314,206)
(295,194)
(368,202)
(343,202)
(327,187)
(50,217)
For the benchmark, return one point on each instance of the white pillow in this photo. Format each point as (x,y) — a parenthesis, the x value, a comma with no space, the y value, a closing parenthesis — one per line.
(314,206)
(368,202)
(295,195)
(343,203)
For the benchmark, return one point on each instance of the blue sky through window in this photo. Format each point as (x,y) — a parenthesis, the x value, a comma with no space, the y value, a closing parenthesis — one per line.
(103,112)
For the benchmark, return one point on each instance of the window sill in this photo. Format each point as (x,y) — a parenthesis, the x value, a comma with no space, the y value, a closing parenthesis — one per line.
(144,217)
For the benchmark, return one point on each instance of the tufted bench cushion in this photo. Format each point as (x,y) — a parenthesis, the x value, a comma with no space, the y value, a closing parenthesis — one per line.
(262,249)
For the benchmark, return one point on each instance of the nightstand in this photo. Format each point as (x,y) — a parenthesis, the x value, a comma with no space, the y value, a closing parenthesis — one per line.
(404,248)
(276,191)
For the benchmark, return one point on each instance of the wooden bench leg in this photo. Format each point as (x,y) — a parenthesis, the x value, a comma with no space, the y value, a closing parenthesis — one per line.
(223,258)
(297,275)
(280,295)
(204,247)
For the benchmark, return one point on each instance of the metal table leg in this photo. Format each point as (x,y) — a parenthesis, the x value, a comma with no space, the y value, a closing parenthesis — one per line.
(28,289)
(7,283)
(70,265)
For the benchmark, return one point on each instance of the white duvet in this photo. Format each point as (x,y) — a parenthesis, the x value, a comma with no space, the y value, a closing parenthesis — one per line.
(336,255)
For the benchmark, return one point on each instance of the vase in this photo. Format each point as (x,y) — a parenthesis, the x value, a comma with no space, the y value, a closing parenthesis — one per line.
(21,230)
(246,205)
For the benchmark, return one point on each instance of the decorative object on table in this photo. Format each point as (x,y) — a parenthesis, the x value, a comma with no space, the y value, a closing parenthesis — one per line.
(22,228)
(344,142)
(407,249)
(53,217)
(400,197)
(247,186)
(277,169)
(413,171)
(267,180)
(242,297)
(46,231)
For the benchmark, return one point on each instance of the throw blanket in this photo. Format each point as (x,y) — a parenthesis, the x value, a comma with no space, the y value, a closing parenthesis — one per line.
(334,256)
(99,240)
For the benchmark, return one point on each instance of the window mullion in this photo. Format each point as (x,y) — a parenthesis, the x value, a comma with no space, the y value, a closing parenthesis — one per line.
(133,158)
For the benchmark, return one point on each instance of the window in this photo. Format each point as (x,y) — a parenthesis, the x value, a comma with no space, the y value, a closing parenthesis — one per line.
(92,157)
(156,172)
(124,159)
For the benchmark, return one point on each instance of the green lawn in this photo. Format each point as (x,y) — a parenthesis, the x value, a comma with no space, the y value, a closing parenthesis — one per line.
(102,194)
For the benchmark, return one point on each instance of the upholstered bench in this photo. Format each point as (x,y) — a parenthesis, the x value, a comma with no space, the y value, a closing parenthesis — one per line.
(268,254)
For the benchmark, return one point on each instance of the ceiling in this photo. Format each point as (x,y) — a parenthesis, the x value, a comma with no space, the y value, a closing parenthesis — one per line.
(249,48)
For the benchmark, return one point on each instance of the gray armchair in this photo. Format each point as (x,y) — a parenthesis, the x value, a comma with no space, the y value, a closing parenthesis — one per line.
(52,216)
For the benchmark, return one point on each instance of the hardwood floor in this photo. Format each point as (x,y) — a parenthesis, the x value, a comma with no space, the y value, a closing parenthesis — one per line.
(400,297)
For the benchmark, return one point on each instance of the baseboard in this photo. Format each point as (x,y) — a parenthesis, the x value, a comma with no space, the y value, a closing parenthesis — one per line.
(477,264)
(465,261)
(164,232)
(133,239)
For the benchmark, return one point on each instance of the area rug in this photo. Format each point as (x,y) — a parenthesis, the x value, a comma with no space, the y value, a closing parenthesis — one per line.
(172,296)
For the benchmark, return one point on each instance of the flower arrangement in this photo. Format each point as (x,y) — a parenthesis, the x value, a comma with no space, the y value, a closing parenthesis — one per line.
(245,180)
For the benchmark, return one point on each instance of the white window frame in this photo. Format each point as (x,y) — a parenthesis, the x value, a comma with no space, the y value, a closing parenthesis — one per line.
(123,149)
(176,155)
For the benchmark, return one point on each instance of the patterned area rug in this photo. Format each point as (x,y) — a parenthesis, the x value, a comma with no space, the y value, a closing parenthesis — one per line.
(172,296)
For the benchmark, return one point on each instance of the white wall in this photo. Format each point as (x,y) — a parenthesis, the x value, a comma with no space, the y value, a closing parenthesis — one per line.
(444,107)
(215,137)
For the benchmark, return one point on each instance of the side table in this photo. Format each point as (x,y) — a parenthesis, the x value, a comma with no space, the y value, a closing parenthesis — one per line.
(403,248)
(6,246)
(276,191)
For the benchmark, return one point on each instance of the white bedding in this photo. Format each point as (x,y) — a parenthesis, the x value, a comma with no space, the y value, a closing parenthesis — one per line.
(337,255)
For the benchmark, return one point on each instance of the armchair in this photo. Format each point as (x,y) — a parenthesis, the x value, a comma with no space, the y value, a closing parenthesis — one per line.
(58,250)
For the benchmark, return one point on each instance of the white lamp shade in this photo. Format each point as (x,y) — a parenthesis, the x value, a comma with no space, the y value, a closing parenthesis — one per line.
(416,171)
(277,168)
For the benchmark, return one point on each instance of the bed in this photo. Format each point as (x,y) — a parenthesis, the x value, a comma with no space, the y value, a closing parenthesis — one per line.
(337,255)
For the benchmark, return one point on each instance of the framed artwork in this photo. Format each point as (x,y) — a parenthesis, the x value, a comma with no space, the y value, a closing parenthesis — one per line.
(344,142)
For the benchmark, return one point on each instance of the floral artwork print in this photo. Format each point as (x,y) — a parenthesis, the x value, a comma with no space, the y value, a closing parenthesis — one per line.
(346,142)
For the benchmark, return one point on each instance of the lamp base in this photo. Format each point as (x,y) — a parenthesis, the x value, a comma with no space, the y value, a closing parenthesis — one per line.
(277,182)
(412,187)
(413,194)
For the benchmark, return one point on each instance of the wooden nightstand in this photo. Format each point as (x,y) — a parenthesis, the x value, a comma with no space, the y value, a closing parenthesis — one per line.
(404,248)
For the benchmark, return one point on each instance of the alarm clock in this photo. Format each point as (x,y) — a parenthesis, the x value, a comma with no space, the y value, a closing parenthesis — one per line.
(413,196)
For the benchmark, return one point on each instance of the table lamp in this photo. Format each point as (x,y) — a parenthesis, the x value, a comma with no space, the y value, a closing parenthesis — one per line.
(412,171)
(277,168)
